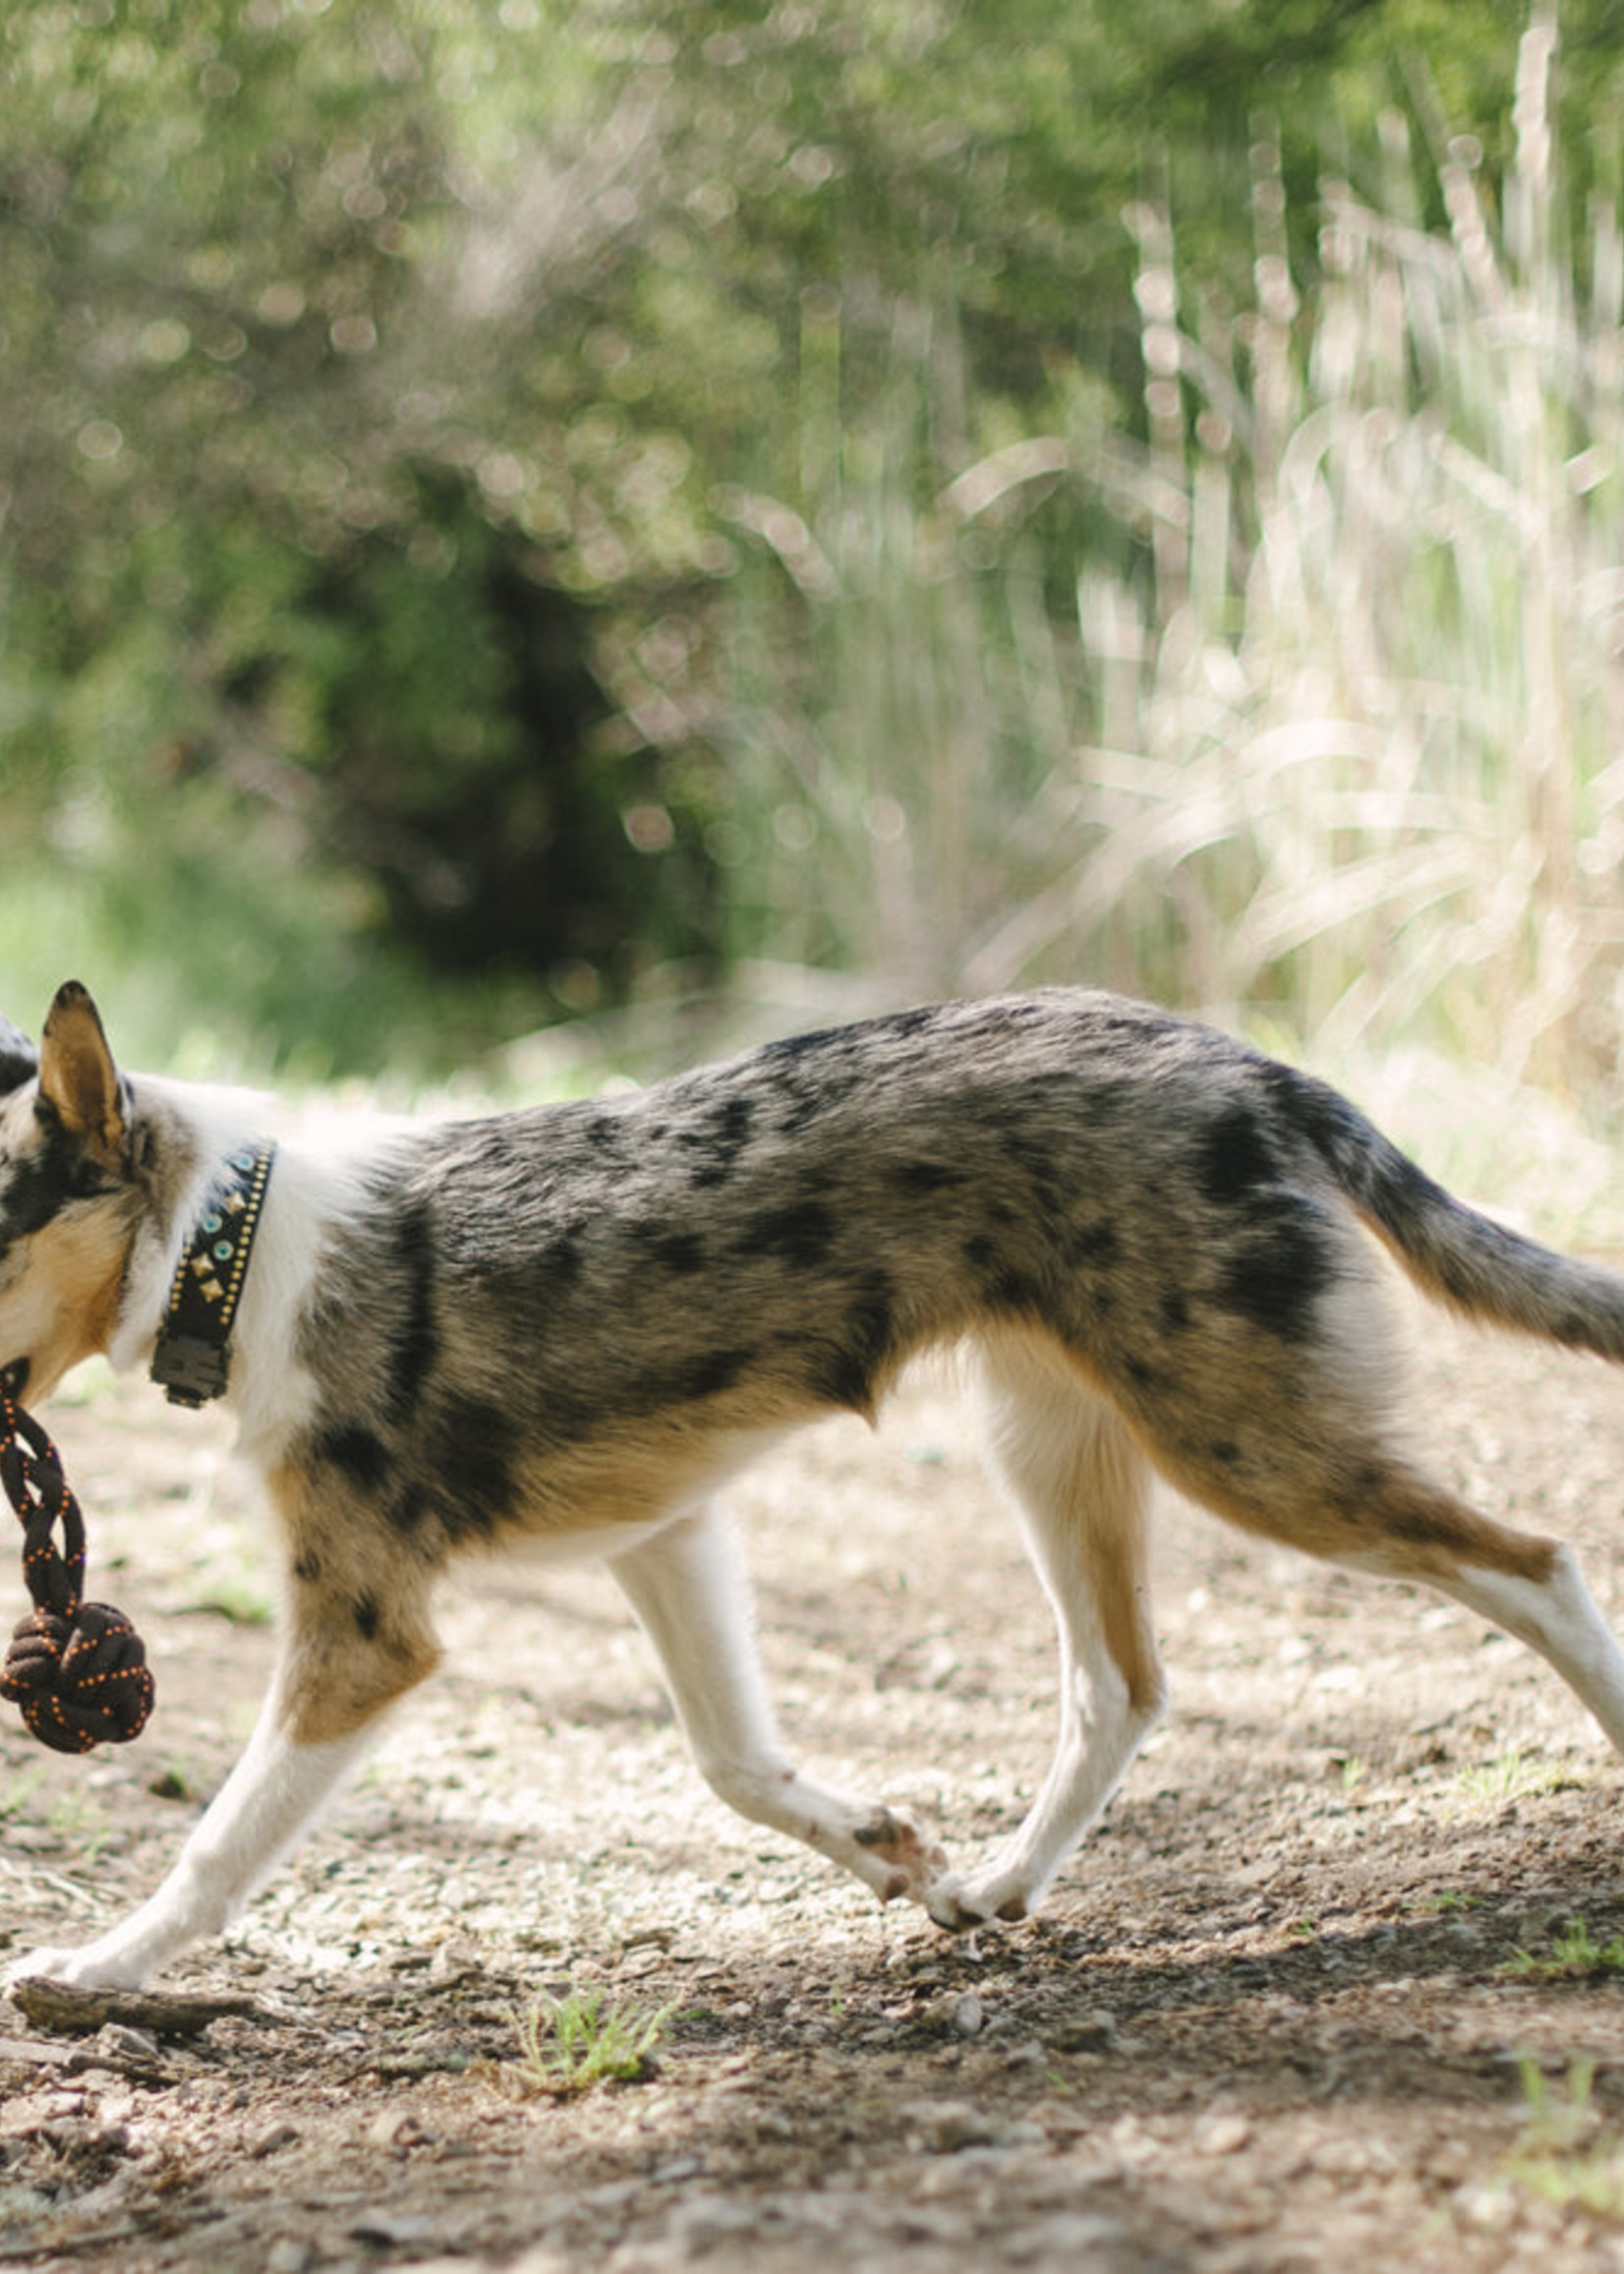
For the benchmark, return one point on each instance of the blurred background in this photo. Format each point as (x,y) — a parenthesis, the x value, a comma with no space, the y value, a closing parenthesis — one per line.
(514,515)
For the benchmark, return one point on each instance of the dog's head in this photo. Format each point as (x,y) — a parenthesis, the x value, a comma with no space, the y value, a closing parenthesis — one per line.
(68,1193)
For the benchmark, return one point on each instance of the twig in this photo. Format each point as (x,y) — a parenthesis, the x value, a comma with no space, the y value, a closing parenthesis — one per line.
(65,2005)
(71,2060)
(31,2050)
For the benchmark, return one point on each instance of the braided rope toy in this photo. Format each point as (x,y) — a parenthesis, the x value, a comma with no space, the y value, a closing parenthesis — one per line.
(77,1670)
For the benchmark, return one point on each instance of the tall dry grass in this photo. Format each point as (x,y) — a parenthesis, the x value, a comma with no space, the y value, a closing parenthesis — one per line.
(1344,752)
(1375,702)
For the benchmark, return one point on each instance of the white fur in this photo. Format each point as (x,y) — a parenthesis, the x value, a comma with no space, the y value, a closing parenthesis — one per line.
(1080,1487)
(1561,1622)
(311,1189)
(274,1791)
(217,1122)
(688,1587)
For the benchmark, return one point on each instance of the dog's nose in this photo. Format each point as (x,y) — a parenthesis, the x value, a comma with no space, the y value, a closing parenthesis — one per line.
(14,1379)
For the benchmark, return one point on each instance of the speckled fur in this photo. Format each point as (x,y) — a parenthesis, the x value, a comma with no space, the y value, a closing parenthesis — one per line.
(561,1327)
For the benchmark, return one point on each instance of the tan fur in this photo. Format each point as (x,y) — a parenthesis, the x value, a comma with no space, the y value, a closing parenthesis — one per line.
(77,1074)
(1061,1448)
(1428,1534)
(358,1631)
(80,1263)
(1360,1505)
(1125,1621)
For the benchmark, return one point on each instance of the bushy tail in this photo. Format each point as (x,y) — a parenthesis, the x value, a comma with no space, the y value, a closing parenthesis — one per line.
(1476,1266)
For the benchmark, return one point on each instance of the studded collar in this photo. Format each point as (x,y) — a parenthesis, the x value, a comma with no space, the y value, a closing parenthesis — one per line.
(193,1357)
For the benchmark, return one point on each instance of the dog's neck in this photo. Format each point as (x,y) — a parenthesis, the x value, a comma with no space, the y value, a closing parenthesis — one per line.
(188,1134)
(319,1182)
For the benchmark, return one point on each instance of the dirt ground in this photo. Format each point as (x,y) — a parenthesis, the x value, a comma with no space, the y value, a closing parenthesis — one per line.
(1272,2018)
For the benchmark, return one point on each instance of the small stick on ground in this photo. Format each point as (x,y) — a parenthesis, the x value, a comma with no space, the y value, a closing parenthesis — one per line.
(64,2005)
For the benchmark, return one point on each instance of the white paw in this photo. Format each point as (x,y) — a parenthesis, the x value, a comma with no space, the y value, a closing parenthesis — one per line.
(959,1901)
(90,1968)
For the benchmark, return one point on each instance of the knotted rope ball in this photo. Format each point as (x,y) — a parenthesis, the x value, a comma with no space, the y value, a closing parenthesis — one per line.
(77,1670)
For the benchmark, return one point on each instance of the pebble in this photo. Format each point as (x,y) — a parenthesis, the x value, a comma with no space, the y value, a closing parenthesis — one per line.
(396,2129)
(1354,2158)
(612,2196)
(944,2126)
(392,2230)
(1130,2142)
(1093,2032)
(1220,2136)
(1485,2205)
(705,2221)
(1068,2235)
(22,2116)
(455,1962)
(133,2044)
(969,2014)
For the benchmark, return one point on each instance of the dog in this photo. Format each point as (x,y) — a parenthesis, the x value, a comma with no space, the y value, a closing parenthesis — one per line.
(566,1326)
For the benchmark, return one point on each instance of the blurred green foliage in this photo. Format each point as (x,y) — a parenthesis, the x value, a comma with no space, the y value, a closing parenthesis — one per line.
(454,448)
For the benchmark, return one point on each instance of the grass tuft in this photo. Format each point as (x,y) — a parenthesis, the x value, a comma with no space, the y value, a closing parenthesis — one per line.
(571,2044)
(1562,2157)
(1513,1777)
(1574,1955)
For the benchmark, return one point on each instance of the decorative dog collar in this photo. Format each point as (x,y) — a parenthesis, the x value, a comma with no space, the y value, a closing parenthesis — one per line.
(193,1357)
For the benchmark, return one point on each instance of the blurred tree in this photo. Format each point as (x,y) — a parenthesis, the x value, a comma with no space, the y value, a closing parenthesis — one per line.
(397,390)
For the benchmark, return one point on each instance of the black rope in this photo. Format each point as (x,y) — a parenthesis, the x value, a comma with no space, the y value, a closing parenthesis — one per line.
(77,1670)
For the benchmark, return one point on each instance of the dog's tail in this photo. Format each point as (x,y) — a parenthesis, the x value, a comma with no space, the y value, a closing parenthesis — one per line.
(1463,1258)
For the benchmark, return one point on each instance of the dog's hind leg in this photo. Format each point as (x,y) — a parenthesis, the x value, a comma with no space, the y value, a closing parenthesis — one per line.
(1402,1525)
(1081,1486)
(688,1587)
(1556,1614)
(319,1718)
(1311,1458)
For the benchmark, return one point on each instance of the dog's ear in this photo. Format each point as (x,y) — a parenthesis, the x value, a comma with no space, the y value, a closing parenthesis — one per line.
(19,1059)
(77,1077)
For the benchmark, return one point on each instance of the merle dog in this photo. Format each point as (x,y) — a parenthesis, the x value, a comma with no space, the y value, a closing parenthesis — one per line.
(564,1326)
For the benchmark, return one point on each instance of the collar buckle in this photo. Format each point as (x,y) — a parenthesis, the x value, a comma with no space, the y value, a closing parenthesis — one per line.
(191,1373)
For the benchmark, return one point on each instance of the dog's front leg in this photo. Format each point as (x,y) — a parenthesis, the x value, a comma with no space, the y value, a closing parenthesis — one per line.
(271,1794)
(688,1588)
(321,1716)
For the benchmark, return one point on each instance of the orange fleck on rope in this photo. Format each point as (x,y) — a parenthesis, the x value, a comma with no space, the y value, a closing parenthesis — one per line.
(77,1670)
